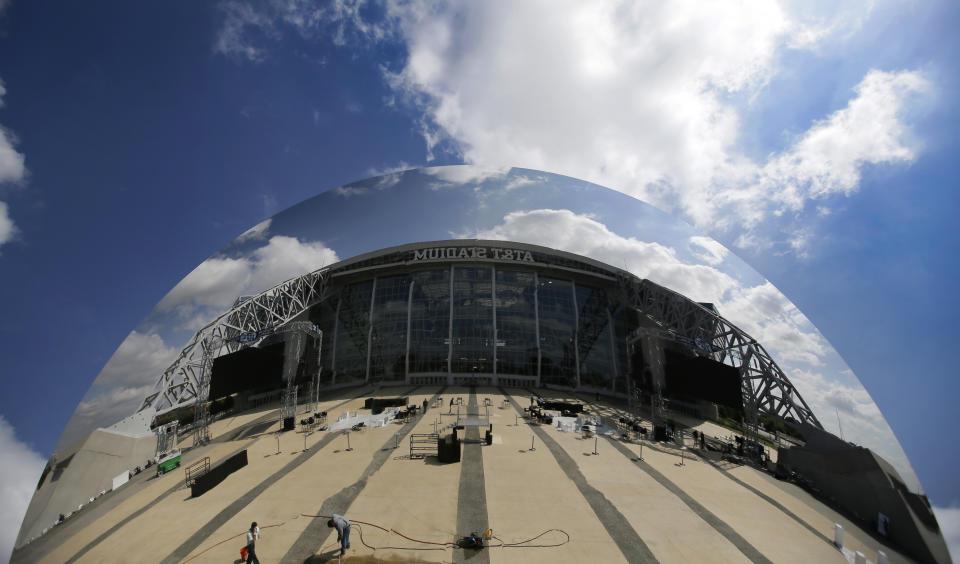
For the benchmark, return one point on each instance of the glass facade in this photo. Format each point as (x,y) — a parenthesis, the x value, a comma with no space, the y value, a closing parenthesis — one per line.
(388,335)
(472,327)
(430,322)
(473,320)
(558,325)
(594,344)
(517,351)
(352,333)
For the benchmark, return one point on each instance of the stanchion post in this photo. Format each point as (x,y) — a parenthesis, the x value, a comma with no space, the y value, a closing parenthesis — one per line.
(595,438)
(532,437)
(349,448)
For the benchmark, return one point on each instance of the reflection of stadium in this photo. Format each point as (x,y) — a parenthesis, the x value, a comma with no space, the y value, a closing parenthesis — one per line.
(464,332)
(487,313)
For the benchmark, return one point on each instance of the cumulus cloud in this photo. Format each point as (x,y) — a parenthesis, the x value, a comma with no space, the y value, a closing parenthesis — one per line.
(258,231)
(214,285)
(7,228)
(584,235)
(21,471)
(12,170)
(949,520)
(463,174)
(768,316)
(829,157)
(139,359)
(643,99)
(128,377)
(708,250)
(105,407)
(249,28)
(648,100)
(385,179)
(239,19)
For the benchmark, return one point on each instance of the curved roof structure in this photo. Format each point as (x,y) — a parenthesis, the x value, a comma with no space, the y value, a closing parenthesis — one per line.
(766,389)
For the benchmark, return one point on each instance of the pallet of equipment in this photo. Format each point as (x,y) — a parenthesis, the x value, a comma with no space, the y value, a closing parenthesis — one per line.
(423,445)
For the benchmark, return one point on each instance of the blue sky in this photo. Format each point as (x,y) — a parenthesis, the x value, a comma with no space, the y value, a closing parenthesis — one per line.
(817,143)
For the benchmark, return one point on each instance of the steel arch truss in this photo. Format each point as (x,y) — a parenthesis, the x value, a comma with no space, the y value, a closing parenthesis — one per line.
(766,389)
(250,319)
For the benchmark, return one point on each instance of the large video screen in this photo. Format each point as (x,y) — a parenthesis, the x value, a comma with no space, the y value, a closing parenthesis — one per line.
(247,369)
(694,378)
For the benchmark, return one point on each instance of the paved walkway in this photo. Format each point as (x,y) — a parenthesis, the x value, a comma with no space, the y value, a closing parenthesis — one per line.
(612,506)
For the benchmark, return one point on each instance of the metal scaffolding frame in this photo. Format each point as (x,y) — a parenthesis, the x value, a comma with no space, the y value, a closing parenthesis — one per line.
(766,389)
(250,319)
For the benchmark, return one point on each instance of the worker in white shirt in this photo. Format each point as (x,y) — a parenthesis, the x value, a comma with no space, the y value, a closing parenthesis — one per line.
(252,536)
(342,525)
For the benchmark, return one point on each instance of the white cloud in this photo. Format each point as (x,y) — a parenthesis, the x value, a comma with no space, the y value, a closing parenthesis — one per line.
(258,231)
(949,520)
(644,99)
(128,377)
(464,174)
(7,228)
(385,179)
(708,250)
(520,181)
(12,170)
(140,359)
(12,164)
(21,471)
(768,316)
(105,407)
(239,19)
(583,235)
(214,282)
(829,157)
(250,27)
(219,280)
(285,257)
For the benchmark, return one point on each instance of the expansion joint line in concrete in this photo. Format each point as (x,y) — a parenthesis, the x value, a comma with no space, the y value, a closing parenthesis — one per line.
(718,524)
(472,492)
(617,526)
(772,502)
(221,518)
(316,533)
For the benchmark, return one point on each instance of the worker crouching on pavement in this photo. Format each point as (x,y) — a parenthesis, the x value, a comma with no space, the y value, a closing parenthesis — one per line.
(343,531)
